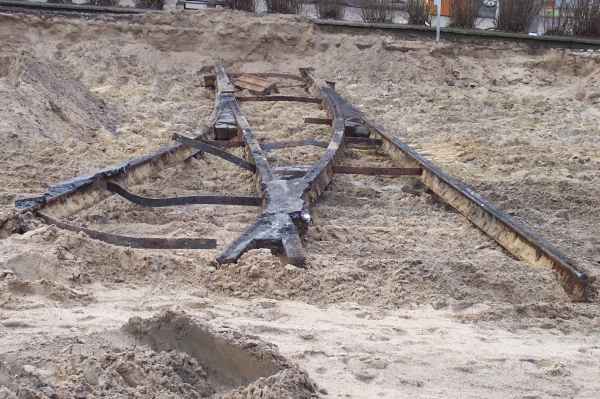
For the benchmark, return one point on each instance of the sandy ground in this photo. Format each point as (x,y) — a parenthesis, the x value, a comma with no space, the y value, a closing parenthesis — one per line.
(402,297)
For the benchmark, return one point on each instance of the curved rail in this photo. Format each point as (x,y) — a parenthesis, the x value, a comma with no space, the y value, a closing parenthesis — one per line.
(177,201)
(286,211)
(513,236)
(134,242)
(288,193)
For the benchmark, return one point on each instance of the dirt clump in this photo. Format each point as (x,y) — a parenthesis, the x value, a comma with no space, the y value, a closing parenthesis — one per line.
(168,356)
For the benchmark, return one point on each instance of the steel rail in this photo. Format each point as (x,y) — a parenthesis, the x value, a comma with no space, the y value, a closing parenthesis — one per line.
(286,211)
(81,192)
(511,235)
(216,151)
(547,41)
(177,201)
(133,242)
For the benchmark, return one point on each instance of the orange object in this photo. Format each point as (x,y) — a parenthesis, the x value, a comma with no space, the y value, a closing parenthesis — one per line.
(446,10)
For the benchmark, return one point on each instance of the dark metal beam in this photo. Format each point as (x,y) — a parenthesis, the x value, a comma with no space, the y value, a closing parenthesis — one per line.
(134,242)
(81,192)
(300,99)
(290,144)
(210,80)
(191,200)
(362,141)
(510,234)
(286,212)
(216,151)
(372,171)
(318,121)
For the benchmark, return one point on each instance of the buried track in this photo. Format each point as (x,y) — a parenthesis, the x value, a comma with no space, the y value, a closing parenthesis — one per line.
(285,193)
(21,6)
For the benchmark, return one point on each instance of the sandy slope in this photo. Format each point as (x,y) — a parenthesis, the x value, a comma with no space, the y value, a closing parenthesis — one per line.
(402,296)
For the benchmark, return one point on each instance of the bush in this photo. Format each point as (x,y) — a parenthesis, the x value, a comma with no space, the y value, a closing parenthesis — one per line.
(516,15)
(242,5)
(464,13)
(376,10)
(151,4)
(329,9)
(104,3)
(419,12)
(284,6)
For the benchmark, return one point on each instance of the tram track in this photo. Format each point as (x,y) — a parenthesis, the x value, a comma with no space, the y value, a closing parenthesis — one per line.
(287,193)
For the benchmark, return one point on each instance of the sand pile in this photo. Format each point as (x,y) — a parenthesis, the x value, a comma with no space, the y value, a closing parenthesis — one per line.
(169,356)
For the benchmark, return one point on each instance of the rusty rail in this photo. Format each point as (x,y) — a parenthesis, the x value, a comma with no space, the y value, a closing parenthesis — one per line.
(178,201)
(134,242)
(511,235)
(286,211)
(288,193)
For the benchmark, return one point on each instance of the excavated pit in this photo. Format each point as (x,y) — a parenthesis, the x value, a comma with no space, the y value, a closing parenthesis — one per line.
(169,355)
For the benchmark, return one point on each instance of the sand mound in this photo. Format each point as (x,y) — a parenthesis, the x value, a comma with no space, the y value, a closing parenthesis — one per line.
(260,273)
(168,356)
(53,99)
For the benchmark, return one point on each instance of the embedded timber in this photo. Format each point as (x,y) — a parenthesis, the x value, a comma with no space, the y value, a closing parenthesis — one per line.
(286,211)
(255,84)
(224,126)
(290,144)
(370,171)
(318,121)
(298,99)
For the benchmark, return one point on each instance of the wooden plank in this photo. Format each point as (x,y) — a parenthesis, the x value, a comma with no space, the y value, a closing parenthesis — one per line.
(374,171)
(224,85)
(299,99)
(270,146)
(210,80)
(224,126)
(318,121)
(255,84)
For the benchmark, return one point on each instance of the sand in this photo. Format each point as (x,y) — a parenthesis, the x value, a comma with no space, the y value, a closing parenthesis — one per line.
(401,296)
